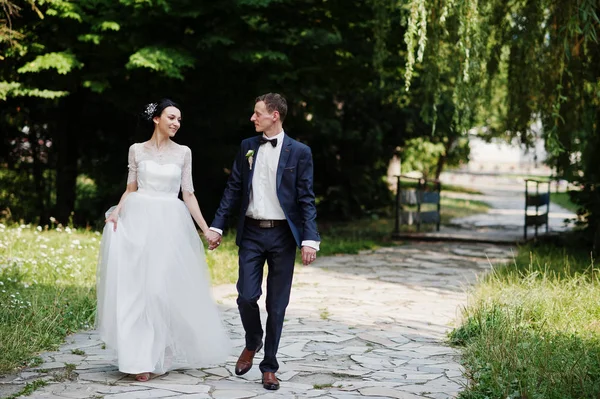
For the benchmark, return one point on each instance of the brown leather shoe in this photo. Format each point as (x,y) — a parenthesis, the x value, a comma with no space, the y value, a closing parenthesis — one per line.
(269,381)
(244,362)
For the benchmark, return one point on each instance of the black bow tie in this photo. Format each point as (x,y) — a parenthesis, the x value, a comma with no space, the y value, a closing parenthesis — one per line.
(264,140)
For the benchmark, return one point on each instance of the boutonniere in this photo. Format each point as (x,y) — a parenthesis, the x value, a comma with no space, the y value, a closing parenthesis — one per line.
(250,157)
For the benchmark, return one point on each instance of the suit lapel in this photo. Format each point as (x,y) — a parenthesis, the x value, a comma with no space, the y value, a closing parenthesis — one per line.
(254,146)
(286,150)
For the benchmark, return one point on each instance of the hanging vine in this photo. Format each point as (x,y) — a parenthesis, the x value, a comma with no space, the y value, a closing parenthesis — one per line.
(416,33)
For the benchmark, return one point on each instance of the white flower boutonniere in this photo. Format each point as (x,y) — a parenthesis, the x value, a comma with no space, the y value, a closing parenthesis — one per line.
(250,158)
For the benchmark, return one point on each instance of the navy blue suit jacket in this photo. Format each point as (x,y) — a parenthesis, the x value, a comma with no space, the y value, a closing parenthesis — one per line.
(294,189)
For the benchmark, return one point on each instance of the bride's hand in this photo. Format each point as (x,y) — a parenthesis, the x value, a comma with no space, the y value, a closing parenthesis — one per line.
(213,238)
(114,217)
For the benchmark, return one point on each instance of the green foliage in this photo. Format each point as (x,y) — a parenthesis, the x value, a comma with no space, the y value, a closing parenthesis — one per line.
(90,37)
(167,61)
(15,89)
(508,65)
(531,329)
(97,62)
(108,25)
(421,155)
(63,62)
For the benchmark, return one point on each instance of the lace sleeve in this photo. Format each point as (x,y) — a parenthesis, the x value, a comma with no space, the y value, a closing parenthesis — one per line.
(132,165)
(186,173)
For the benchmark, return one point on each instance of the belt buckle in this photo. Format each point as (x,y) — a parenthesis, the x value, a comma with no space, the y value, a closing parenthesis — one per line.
(265,224)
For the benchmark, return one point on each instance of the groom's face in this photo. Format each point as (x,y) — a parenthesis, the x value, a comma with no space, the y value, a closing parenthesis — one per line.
(261,118)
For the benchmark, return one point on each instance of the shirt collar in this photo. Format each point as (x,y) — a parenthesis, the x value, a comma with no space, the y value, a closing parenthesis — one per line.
(279,137)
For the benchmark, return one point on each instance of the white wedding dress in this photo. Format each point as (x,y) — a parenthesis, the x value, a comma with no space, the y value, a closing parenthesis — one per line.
(155,309)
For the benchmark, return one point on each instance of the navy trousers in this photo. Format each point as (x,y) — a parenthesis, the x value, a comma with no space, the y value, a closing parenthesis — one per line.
(277,247)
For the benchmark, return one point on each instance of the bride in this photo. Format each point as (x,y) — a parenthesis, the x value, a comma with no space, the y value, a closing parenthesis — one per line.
(155,309)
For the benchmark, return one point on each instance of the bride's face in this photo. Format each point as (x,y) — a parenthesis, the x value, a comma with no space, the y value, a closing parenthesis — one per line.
(169,121)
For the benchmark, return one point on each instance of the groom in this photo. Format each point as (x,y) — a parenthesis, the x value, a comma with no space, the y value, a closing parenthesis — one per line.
(272,177)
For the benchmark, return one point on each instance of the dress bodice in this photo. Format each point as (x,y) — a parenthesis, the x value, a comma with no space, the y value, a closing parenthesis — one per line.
(162,170)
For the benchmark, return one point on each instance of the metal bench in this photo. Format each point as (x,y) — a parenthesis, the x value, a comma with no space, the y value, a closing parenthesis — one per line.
(425,192)
(537,200)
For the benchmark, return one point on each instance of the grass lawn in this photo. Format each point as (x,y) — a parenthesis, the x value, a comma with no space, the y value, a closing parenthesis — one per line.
(532,328)
(46,290)
(563,199)
(48,274)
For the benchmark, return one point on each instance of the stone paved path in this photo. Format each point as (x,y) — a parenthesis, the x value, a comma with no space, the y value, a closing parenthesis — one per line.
(364,326)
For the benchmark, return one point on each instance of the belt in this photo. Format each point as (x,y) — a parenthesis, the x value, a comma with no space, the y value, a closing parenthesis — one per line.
(265,224)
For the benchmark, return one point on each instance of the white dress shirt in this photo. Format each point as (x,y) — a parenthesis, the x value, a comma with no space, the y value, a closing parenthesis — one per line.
(264,204)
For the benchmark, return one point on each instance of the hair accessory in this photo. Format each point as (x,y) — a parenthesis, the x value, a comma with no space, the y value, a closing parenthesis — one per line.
(149,111)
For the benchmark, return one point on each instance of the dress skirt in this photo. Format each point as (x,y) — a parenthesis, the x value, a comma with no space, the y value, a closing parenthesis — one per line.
(155,308)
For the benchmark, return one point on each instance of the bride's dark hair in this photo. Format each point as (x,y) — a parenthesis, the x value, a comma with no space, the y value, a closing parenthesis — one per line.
(155,109)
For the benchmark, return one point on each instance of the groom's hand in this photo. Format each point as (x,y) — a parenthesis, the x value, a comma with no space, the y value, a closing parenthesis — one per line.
(308,255)
(214,239)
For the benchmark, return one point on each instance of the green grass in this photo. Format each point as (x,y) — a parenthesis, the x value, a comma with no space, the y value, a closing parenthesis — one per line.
(223,262)
(406,184)
(28,389)
(322,386)
(456,208)
(526,176)
(532,328)
(369,234)
(460,189)
(563,199)
(46,290)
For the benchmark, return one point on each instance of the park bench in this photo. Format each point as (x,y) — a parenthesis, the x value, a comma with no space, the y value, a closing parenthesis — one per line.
(537,200)
(414,201)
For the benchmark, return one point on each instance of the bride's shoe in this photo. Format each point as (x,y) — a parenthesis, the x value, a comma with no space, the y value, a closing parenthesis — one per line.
(142,377)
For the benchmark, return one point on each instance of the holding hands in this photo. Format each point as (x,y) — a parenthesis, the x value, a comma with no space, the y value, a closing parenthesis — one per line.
(214,239)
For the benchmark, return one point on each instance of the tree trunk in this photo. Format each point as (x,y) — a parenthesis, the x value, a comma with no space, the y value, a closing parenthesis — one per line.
(444,157)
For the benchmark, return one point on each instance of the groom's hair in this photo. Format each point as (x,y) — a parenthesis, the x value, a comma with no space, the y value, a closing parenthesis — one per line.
(274,102)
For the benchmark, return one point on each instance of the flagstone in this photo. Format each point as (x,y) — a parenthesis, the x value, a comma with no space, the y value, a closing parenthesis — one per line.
(107,377)
(149,393)
(386,393)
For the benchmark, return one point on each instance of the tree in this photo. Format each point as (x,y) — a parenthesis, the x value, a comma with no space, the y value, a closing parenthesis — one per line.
(514,63)
(86,68)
